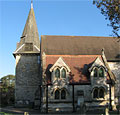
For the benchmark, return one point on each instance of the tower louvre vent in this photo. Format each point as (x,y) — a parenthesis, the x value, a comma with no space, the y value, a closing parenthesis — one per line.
(29,47)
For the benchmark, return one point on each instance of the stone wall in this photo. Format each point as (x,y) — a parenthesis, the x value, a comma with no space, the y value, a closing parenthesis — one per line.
(66,104)
(27,78)
(115,67)
(87,89)
(64,84)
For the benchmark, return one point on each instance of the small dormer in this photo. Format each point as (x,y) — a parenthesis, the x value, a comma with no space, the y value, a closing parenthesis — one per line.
(98,71)
(60,71)
(98,68)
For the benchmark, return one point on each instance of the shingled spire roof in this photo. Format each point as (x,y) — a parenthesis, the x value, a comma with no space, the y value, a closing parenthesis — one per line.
(29,42)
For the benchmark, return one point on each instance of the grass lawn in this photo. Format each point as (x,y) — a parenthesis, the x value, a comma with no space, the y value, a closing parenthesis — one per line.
(3,113)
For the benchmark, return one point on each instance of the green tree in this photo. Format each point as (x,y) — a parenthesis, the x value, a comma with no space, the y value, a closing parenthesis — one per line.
(111,10)
(7,84)
(8,81)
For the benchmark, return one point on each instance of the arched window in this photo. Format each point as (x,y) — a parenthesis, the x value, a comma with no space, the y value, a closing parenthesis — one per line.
(57,94)
(95,72)
(63,73)
(57,73)
(95,93)
(63,94)
(101,93)
(101,72)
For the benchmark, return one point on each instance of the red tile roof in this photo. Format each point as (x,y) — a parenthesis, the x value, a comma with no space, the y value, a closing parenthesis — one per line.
(78,65)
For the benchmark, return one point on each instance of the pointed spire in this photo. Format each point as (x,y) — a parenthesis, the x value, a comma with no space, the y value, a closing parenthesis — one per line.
(30,37)
(31,3)
(30,29)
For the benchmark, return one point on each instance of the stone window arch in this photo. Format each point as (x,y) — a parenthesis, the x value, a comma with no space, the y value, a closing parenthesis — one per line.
(57,94)
(57,73)
(98,93)
(63,94)
(63,73)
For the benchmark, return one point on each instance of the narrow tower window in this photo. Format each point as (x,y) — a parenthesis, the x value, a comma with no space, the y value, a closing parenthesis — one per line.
(63,73)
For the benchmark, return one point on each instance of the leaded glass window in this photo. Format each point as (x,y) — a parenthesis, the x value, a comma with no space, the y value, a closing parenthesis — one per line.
(63,73)
(57,73)
(101,72)
(101,93)
(95,72)
(63,94)
(57,94)
(95,93)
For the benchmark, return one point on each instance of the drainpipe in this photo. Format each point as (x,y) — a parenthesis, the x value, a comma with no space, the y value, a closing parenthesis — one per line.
(47,98)
(40,86)
(110,101)
(73,101)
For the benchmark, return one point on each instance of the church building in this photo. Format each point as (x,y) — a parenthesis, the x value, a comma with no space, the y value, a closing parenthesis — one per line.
(64,73)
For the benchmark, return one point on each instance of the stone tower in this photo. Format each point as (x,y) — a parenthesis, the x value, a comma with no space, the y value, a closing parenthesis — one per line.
(27,56)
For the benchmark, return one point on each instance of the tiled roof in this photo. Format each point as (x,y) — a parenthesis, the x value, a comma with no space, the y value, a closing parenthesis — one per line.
(81,45)
(78,65)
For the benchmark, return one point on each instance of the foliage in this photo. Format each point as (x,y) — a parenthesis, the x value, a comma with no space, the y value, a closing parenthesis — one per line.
(8,81)
(3,113)
(7,84)
(111,10)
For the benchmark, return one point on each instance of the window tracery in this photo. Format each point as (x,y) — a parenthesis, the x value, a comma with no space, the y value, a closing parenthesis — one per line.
(60,94)
(60,73)
(98,93)
(98,72)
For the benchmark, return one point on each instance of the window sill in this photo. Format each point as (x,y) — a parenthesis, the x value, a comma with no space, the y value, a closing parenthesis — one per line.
(59,101)
(98,99)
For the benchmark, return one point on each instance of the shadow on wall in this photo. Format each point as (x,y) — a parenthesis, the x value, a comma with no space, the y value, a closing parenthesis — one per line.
(48,73)
(118,56)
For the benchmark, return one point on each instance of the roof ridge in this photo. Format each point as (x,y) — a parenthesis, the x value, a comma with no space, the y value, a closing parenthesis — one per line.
(79,36)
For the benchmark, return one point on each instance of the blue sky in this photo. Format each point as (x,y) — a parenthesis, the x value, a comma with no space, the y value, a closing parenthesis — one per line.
(53,17)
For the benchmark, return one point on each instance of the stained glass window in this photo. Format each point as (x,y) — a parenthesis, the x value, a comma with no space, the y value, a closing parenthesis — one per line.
(63,73)
(101,72)
(63,94)
(57,73)
(57,94)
